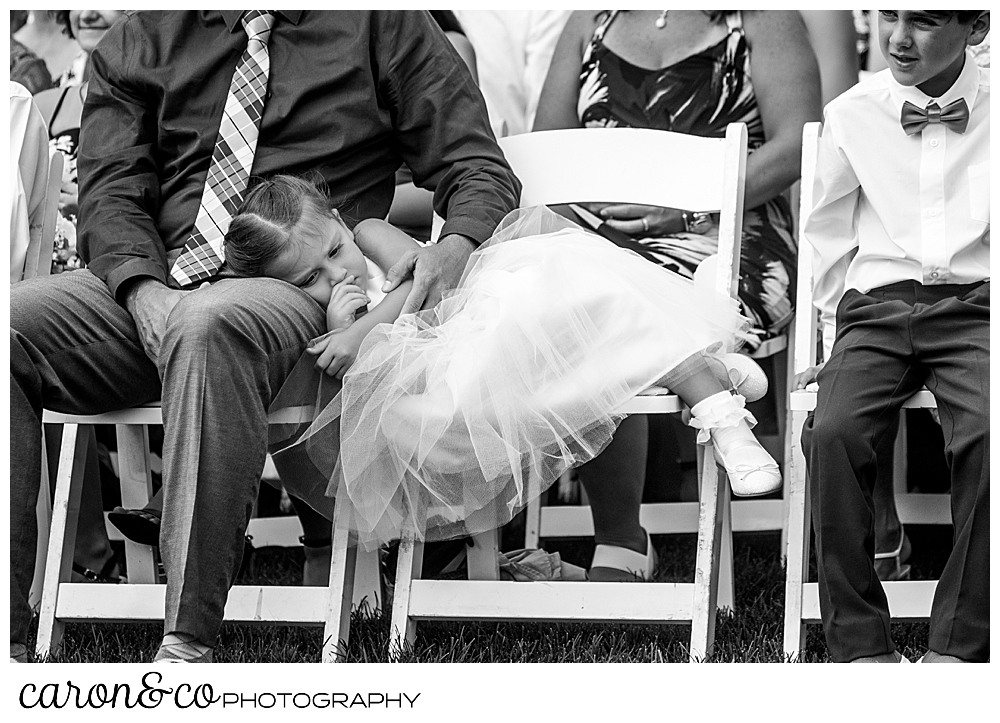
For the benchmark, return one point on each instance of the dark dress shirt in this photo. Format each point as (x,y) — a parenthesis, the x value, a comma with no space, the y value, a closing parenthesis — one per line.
(351,94)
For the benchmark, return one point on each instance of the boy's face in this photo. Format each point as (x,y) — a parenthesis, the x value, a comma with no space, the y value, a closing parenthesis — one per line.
(927,48)
(320,254)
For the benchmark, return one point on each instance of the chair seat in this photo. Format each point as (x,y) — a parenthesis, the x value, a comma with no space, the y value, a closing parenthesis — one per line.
(804,400)
(152,413)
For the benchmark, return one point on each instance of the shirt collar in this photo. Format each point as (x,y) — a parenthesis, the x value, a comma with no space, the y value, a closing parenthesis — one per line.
(966,86)
(232,17)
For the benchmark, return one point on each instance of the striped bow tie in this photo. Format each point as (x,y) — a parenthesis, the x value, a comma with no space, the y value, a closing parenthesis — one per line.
(954,115)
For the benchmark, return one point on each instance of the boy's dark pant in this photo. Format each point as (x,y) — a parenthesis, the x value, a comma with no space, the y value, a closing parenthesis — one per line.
(890,342)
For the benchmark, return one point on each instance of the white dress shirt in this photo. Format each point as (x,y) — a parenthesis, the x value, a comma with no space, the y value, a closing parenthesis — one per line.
(513,52)
(891,207)
(29,172)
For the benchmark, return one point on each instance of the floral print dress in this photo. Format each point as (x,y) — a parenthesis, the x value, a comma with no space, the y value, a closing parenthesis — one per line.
(700,95)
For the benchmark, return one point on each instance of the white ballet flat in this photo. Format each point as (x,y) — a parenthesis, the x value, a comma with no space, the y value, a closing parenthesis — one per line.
(747,377)
(753,474)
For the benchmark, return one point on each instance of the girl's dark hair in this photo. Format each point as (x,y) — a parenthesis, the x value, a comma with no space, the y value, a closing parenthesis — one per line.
(62,16)
(265,220)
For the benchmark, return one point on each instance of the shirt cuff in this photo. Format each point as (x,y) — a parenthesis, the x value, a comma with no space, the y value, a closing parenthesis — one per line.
(117,279)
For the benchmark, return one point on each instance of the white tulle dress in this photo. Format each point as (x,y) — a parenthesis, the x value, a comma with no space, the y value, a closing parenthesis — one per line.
(471,409)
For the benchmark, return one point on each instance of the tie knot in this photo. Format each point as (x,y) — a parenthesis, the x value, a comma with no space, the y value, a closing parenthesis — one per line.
(258,24)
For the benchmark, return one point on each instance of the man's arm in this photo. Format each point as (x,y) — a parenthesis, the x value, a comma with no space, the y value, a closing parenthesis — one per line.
(119,183)
(443,133)
(831,228)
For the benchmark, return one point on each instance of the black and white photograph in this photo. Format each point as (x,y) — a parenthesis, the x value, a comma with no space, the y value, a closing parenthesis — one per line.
(559,336)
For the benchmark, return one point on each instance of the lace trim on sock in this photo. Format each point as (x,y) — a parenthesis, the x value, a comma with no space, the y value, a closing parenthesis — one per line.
(723,413)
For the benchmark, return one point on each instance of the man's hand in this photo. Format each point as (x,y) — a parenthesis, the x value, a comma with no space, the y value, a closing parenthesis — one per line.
(807,377)
(436,269)
(335,351)
(150,303)
(347,297)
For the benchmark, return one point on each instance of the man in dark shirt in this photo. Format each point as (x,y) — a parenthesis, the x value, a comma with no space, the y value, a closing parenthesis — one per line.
(351,95)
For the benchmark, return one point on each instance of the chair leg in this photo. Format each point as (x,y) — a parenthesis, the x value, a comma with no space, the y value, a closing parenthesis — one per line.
(727,584)
(797,549)
(343,561)
(43,517)
(367,579)
(403,630)
(533,523)
(714,496)
(484,556)
(62,536)
(136,481)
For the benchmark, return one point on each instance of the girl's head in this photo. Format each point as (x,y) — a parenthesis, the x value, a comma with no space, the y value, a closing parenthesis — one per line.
(285,230)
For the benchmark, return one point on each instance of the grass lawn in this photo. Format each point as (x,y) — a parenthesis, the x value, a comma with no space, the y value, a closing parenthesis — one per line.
(750,635)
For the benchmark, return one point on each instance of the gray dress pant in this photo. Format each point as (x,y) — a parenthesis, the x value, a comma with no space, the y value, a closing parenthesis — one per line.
(890,342)
(226,351)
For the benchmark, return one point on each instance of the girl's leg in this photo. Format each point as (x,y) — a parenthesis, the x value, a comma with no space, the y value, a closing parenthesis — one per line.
(721,416)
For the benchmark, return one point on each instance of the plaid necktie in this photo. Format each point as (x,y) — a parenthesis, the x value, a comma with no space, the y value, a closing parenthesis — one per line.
(233,156)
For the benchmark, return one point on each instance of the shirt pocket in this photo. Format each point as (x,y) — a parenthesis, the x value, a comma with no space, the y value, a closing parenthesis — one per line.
(979,192)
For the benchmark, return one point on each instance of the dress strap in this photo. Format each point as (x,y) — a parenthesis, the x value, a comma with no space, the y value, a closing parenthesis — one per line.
(602,27)
(734,21)
(58,106)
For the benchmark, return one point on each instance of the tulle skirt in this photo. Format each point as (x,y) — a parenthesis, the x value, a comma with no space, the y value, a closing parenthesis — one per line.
(468,411)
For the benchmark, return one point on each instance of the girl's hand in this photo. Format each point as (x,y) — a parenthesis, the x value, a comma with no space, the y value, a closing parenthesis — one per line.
(804,379)
(346,299)
(641,221)
(335,351)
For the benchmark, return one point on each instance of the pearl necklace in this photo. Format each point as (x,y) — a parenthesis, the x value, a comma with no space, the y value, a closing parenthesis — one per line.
(661,22)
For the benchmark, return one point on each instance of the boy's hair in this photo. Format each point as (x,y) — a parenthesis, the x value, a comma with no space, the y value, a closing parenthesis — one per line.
(964,17)
(264,222)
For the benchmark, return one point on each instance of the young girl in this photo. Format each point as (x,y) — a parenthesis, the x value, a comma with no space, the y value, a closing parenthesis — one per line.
(474,407)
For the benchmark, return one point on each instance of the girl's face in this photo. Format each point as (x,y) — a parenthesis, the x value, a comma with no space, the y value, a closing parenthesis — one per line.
(89,26)
(320,254)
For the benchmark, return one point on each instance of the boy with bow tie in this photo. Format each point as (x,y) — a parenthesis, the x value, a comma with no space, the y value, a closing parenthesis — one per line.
(901,232)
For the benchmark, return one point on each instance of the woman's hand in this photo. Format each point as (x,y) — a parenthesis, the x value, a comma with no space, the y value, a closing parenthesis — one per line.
(335,351)
(804,379)
(346,299)
(641,221)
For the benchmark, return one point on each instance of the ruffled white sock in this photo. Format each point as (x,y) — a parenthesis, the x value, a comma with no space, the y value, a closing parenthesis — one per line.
(722,416)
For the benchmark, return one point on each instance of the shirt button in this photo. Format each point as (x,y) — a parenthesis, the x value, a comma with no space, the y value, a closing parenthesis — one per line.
(933,212)
(934,274)
(934,143)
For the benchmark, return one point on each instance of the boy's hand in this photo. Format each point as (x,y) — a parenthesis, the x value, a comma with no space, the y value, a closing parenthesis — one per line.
(335,351)
(346,299)
(804,379)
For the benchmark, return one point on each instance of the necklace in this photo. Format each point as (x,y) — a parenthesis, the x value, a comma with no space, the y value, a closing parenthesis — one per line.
(661,22)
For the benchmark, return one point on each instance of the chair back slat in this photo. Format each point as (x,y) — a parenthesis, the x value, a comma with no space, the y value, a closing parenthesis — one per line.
(41,239)
(804,353)
(618,165)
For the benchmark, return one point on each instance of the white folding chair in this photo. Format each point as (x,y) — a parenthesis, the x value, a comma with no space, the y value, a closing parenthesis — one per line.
(42,235)
(593,165)
(908,600)
(544,521)
(142,599)
(38,262)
